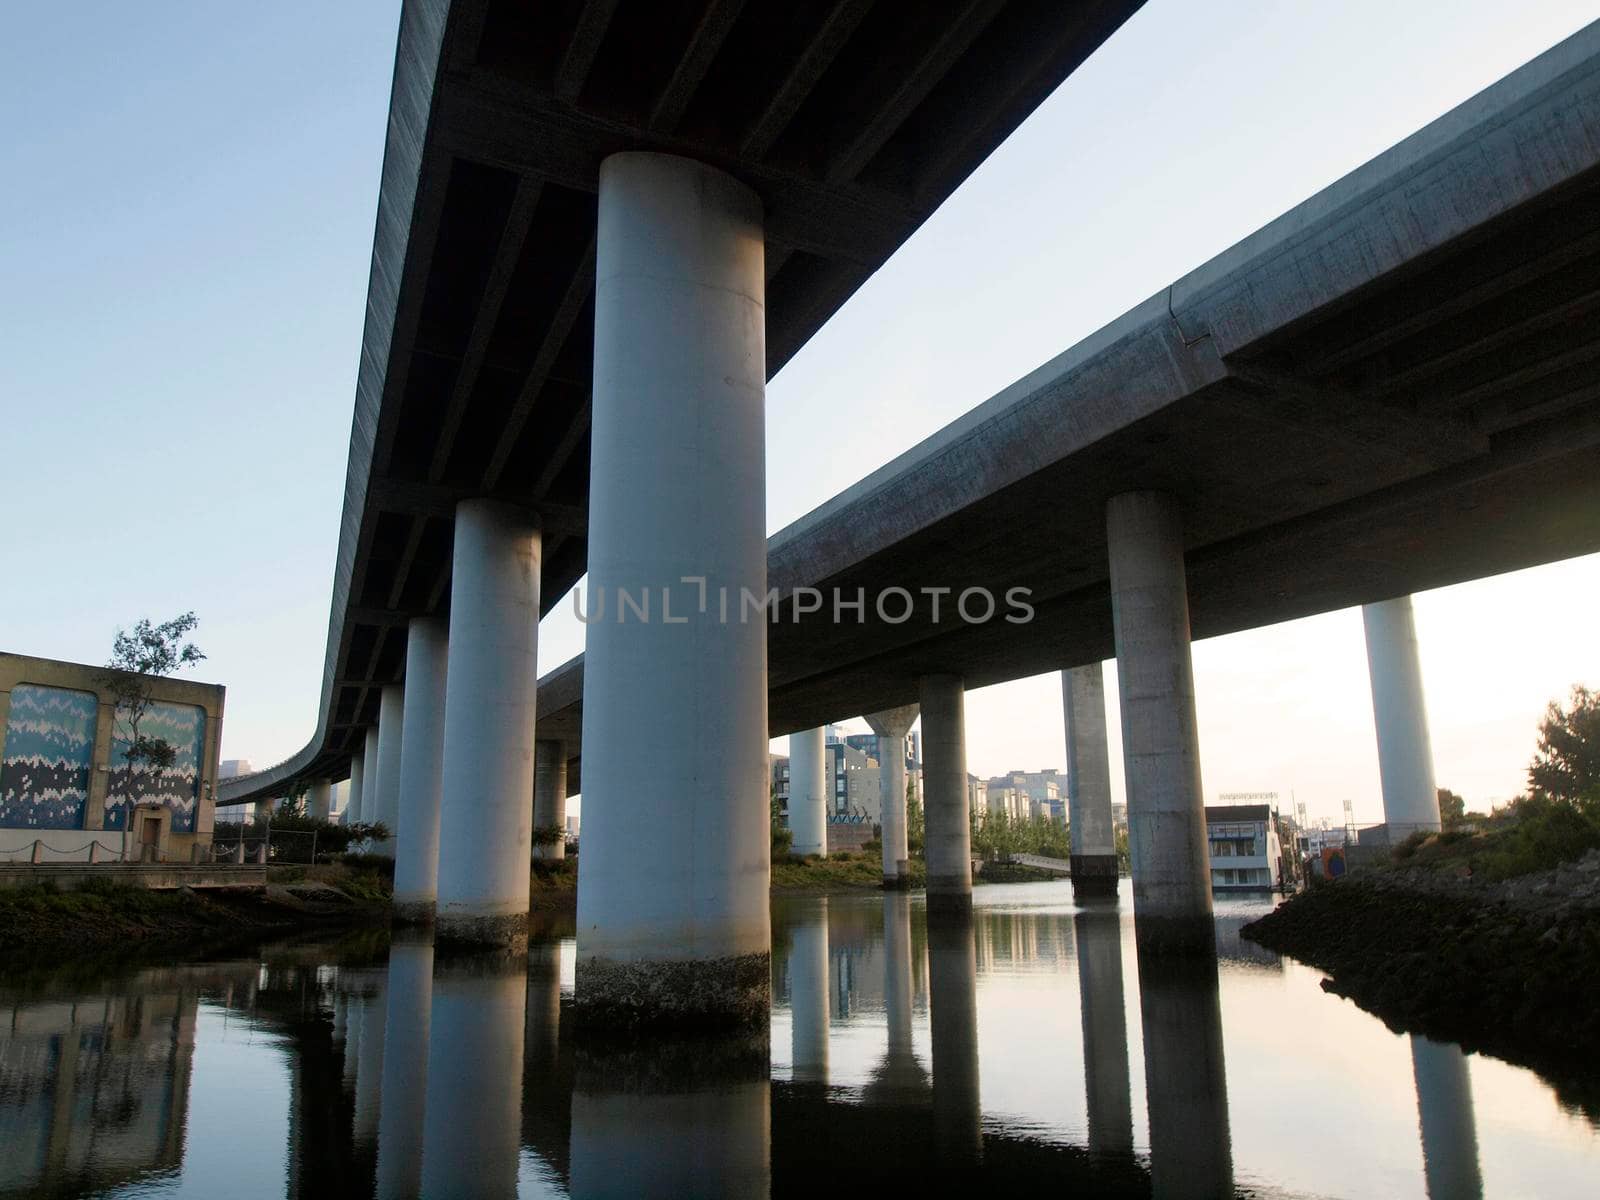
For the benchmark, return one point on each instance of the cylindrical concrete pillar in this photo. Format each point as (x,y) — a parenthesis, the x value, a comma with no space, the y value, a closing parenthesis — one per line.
(1405,751)
(1185,1074)
(1444,1112)
(416,864)
(550,800)
(672,898)
(1090,827)
(809,788)
(947,836)
(891,726)
(1098,937)
(386,788)
(472,1127)
(318,796)
(808,993)
(486,826)
(1160,738)
(352,804)
(369,780)
(953,1024)
(405,1067)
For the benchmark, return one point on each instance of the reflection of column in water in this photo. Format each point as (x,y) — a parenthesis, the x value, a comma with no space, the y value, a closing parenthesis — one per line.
(543,1033)
(1444,1111)
(405,1066)
(897,972)
(953,988)
(351,1006)
(1185,1076)
(808,994)
(673,1118)
(369,1065)
(471,1130)
(1098,933)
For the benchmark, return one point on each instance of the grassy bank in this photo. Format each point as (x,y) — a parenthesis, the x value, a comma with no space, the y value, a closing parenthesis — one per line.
(103,912)
(1510,967)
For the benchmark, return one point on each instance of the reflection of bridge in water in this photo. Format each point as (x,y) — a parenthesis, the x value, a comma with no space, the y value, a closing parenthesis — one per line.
(440,1075)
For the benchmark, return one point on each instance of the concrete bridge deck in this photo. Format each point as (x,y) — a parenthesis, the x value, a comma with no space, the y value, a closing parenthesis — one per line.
(1388,389)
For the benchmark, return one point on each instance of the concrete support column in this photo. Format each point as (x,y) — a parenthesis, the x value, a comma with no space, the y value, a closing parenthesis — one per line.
(472,1126)
(947,836)
(369,779)
(1098,934)
(953,1024)
(1444,1113)
(405,1067)
(673,920)
(352,806)
(1405,751)
(386,788)
(1160,738)
(485,830)
(1093,833)
(891,725)
(809,789)
(808,994)
(550,800)
(416,864)
(318,799)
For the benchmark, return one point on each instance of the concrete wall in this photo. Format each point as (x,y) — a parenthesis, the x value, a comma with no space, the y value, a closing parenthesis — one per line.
(64,783)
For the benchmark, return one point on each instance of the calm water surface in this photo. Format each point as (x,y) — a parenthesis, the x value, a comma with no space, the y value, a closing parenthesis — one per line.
(903,1053)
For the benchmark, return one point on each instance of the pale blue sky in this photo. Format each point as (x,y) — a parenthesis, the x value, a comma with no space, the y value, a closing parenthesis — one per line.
(185,232)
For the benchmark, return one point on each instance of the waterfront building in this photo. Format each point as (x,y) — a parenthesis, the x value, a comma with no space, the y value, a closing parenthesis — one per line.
(1242,840)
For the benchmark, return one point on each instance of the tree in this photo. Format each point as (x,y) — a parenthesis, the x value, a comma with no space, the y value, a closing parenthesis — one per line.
(916,826)
(1566,765)
(138,657)
(1452,809)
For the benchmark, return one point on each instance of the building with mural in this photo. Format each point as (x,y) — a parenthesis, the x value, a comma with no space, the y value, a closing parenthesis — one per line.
(67,790)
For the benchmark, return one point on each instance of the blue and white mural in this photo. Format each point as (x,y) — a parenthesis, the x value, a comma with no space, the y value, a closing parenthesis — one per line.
(44,776)
(177,787)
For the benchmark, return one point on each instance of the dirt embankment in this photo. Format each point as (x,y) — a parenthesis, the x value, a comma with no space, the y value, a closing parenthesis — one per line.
(1511,968)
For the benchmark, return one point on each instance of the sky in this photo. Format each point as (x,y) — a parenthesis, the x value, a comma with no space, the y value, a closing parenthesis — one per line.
(185,236)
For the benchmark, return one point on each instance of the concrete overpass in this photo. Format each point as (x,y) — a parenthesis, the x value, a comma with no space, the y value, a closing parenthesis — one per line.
(852,121)
(1389,388)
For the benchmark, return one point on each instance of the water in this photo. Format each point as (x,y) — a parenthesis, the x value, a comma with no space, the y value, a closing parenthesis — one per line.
(902,1054)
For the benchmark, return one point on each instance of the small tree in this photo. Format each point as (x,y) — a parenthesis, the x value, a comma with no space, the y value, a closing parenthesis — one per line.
(138,657)
(916,826)
(1452,809)
(1566,765)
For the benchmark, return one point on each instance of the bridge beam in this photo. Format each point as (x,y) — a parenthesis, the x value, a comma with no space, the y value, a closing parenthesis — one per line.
(1160,737)
(948,836)
(416,865)
(1090,826)
(891,725)
(485,828)
(673,923)
(1405,749)
(549,799)
(809,791)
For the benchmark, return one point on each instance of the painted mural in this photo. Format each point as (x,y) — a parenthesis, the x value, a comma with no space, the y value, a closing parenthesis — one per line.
(49,750)
(176,787)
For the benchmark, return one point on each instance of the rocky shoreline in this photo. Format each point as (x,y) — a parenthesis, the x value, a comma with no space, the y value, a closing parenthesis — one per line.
(1509,968)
